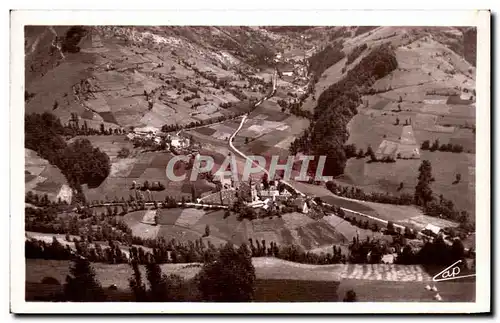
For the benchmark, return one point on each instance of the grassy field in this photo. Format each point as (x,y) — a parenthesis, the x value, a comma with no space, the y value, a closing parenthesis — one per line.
(378,177)
(277,280)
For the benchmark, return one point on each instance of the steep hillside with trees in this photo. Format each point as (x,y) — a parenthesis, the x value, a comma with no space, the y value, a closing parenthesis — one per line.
(79,161)
(327,132)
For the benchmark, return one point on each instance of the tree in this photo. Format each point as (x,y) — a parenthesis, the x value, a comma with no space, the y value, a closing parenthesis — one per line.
(81,285)
(350,150)
(157,284)
(136,284)
(423,191)
(246,140)
(435,145)
(425,145)
(390,227)
(397,121)
(265,181)
(229,278)
(457,250)
(371,153)
(361,153)
(207,230)
(401,185)
(458,177)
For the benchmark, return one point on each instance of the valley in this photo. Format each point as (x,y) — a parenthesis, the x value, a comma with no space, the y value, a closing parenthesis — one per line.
(391,108)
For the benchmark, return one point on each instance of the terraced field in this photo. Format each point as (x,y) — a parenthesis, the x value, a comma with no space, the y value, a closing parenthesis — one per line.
(189,224)
(43,178)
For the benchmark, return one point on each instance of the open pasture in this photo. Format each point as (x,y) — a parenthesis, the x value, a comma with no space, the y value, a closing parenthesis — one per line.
(377,177)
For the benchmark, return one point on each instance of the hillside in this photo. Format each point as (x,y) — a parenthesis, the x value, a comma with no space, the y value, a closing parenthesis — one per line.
(429,96)
(40,177)
(135,76)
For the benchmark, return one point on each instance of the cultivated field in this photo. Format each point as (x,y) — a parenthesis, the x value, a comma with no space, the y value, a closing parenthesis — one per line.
(189,224)
(42,178)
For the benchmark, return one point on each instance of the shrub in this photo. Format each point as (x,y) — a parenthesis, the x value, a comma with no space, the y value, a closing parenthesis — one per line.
(350,296)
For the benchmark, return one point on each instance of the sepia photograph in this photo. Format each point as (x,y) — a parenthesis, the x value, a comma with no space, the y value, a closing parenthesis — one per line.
(256,162)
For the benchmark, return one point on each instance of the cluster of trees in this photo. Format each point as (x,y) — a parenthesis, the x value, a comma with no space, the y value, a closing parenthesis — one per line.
(111,254)
(229,277)
(366,251)
(351,57)
(359,194)
(325,58)
(435,252)
(73,129)
(82,163)
(443,207)
(42,200)
(426,145)
(295,107)
(327,132)
(167,252)
(72,38)
(79,161)
(296,254)
(154,186)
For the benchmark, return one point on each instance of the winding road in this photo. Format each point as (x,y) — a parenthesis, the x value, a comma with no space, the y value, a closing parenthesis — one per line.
(241,154)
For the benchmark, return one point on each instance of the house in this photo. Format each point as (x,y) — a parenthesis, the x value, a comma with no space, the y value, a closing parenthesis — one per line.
(302,205)
(130,136)
(179,142)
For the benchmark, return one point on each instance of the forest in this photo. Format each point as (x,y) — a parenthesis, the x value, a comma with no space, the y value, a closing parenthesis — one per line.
(327,133)
(322,60)
(79,161)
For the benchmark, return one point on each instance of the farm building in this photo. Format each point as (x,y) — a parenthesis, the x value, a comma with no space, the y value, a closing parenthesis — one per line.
(179,142)
(386,149)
